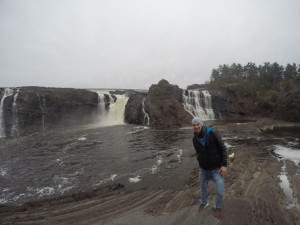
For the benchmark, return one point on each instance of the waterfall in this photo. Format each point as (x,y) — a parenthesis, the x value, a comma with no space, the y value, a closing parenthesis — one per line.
(146,116)
(198,103)
(111,108)
(104,101)
(15,120)
(101,102)
(7,92)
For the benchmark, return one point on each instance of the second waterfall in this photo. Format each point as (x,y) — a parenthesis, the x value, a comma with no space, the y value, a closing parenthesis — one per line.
(198,103)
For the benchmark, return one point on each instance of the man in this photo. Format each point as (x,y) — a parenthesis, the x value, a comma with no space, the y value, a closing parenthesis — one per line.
(212,158)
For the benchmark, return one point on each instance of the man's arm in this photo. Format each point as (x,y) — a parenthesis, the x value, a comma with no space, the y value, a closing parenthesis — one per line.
(222,148)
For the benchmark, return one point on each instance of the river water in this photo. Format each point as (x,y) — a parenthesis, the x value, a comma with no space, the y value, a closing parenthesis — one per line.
(65,161)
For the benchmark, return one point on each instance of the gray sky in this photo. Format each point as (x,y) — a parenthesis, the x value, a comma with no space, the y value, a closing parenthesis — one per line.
(135,43)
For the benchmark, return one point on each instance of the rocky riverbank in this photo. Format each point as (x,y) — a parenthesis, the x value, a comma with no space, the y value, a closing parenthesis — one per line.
(253,195)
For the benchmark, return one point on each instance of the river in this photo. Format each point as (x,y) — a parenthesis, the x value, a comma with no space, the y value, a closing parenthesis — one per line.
(65,161)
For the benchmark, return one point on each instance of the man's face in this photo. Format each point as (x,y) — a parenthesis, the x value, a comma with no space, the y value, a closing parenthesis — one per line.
(197,127)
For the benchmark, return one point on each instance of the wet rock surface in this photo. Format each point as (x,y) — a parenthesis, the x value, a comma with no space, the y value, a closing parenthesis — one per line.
(253,196)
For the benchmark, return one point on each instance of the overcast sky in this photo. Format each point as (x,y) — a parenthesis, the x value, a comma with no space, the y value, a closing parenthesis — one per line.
(135,43)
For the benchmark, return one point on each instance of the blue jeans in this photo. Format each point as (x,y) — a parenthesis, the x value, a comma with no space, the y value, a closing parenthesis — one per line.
(218,179)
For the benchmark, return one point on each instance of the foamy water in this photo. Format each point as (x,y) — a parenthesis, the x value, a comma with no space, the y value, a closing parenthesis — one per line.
(138,129)
(82,139)
(3,172)
(111,178)
(134,179)
(292,154)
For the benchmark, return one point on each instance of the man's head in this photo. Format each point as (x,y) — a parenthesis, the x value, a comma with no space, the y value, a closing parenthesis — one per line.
(197,124)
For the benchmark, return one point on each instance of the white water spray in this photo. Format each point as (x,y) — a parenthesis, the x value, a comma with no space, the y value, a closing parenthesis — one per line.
(7,92)
(198,103)
(146,116)
(101,102)
(114,114)
(15,120)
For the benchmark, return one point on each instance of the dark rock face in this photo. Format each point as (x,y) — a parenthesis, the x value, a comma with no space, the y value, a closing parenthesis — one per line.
(219,104)
(164,103)
(228,104)
(40,108)
(288,107)
(133,110)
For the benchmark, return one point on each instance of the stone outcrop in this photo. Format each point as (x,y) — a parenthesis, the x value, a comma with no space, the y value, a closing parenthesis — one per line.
(40,108)
(134,110)
(165,108)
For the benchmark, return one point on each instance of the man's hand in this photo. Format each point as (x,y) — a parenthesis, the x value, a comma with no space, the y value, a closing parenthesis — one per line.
(223,170)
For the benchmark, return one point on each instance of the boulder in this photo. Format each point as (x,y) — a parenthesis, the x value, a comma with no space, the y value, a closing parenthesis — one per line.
(165,108)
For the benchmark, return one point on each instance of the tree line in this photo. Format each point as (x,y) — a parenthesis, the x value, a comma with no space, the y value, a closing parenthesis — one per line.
(252,79)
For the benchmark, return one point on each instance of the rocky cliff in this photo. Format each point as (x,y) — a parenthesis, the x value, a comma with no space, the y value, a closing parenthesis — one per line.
(40,108)
(229,103)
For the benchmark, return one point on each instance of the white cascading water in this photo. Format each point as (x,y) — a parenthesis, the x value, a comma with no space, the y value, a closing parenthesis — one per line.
(101,102)
(7,92)
(115,114)
(15,120)
(198,103)
(146,116)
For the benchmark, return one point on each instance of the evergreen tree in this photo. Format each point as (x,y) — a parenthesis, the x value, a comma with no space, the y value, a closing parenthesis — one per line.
(277,74)
(215,75)
(290,72)
(265,74)
(236,71)
(251,71)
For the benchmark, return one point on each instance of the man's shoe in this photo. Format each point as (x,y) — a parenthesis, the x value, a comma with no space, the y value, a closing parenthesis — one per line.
(217,212)
(202,207)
